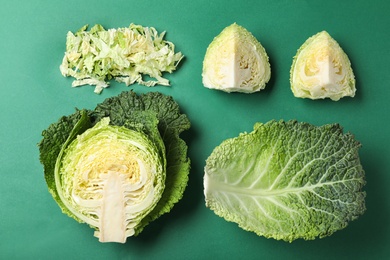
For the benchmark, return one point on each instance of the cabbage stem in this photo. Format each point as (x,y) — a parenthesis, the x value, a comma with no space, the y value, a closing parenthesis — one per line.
(112,222)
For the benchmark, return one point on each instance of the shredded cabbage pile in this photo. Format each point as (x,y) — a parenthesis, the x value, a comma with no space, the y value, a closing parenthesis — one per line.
(125,54)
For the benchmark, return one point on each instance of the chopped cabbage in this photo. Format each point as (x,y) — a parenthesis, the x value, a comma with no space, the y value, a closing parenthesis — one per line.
(236,62)
(287,180)
(321,69)
(120,166)
(125,54)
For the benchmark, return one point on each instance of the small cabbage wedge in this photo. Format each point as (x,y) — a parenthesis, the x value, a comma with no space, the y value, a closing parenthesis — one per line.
(321,69)
(120,166)
(235,61)
(287,180)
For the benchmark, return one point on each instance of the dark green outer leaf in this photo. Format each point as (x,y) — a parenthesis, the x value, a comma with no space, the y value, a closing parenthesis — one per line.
(55,137)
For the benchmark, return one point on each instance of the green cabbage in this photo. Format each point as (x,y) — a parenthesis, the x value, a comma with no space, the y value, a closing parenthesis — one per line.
(321,69)
(120,166)
(287,180)
(125,54)
(236,62)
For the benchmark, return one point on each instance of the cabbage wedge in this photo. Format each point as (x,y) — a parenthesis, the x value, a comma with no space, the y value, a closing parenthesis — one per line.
(235,61)
(321,69)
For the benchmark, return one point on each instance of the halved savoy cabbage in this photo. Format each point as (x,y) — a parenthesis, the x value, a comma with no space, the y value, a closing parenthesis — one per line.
(119,166)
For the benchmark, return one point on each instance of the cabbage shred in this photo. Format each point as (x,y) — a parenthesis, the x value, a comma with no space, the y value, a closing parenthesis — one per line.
(125,54)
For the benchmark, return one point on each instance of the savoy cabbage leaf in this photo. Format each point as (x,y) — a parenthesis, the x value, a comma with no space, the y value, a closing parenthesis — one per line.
(287,180)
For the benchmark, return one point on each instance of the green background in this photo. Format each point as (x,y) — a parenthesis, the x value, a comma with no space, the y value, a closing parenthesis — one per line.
(34,94)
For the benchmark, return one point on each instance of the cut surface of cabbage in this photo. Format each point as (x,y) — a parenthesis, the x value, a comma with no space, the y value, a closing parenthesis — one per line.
(110,177)
(235,61)
(321,69)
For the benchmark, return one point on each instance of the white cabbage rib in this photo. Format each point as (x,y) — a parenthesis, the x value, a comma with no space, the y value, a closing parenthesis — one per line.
(111,178)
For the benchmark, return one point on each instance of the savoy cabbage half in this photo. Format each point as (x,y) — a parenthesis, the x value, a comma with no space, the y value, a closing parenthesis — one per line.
(119,166)
(287,180)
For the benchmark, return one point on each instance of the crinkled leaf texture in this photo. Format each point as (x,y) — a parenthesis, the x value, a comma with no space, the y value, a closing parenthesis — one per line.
(287,180)
(153,117)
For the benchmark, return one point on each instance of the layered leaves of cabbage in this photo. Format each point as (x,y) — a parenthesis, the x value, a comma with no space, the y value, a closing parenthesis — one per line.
(235,61)
(120,166)
(321,69)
